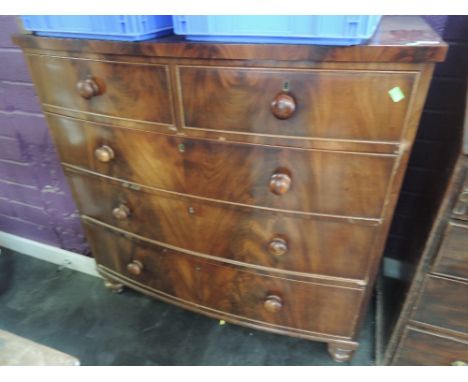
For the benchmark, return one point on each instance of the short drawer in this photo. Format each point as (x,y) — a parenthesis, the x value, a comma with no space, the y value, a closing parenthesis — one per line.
(304,244)
(452,259)
(325,104)
(443,303)
(275,301)
(126,90)
(310,181)
(422,348)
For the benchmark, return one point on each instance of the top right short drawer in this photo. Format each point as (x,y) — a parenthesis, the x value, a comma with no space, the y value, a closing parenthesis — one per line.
(299,103)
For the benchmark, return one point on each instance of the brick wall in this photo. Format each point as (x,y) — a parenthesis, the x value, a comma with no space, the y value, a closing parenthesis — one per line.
(35,200)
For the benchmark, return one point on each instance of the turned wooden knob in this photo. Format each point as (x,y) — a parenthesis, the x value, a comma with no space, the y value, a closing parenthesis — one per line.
(273,303)
(280,183)
(135,267)
(104,154)
(121,212)
(87,88)
(283,106)
(278,246)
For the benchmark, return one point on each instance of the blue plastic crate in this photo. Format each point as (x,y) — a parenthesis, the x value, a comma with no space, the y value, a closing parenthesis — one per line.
(127,28)
(322,30)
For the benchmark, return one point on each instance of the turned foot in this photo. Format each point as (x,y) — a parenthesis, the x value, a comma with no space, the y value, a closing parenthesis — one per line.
(340,352)
(114,286)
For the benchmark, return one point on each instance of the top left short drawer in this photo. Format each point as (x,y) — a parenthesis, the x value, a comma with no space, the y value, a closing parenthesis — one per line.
(126,90)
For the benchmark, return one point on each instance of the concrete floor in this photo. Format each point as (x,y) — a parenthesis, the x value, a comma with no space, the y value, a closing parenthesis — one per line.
(74,313)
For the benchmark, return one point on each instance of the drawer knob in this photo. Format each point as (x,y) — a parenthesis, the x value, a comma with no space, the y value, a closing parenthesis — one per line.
(87,88)
(121,212)
(278,246)
(104,154)
(135,267)
(283,106)
(273,303)
(280,183)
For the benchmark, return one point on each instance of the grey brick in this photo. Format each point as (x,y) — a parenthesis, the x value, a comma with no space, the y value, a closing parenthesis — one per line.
(14,66)
(30,128)
(29,230)
(22,173)
(21,193)
(8,26)
(18,97)
(10,149)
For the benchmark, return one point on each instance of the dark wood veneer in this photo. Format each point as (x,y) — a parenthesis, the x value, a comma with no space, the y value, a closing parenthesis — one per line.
(229,232)
(310,307)
(125,90)
(323,182)
(239,100)
(422,348)
(250,182)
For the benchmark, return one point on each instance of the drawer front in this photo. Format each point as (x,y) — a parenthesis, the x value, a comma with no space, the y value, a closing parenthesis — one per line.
(444,303)
(332,104)
(125,90)
(289,179)
(452,258)
(265,299)
(421,348)
(276,240)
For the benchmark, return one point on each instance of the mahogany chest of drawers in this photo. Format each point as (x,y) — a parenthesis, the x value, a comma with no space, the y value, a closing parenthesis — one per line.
(252,183)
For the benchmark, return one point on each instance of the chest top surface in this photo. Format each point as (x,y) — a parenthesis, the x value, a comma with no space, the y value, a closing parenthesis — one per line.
(397,39)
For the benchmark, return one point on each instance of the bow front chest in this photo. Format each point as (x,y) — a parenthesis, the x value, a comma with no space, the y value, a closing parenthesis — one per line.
(252,183)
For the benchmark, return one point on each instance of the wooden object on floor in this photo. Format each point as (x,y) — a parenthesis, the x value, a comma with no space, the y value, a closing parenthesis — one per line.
(19,351)
(432,329)
(254,183)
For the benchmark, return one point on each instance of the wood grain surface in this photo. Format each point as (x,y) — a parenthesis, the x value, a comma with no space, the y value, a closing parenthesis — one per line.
(323,182)
(229,232)
(330,104)
(126,90)
(306,306)
(397,39)
(254,182)
(443,303)
(423,348)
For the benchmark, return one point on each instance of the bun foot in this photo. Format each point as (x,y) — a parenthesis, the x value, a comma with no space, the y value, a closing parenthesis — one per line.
(341,352)
(114,286)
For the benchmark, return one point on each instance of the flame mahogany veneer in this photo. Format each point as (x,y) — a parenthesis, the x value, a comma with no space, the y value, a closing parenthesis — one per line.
(253,183)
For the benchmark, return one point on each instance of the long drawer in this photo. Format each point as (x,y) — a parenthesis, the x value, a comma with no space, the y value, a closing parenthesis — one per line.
(452,259)
(277,240)
(311,181)
(422,348)
(117,89)
(444,303)
(274,301)
(329,104)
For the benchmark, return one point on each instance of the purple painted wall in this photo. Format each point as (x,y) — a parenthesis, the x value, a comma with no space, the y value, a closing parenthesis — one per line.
(35,200)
